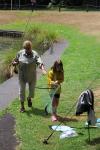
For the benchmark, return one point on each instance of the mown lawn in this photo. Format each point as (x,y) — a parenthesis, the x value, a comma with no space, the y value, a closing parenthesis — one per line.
(81,67)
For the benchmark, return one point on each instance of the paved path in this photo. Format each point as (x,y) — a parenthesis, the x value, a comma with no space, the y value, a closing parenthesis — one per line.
(9,89)
(8,140)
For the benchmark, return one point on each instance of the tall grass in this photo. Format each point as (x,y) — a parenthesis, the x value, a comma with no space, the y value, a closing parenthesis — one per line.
(41,40)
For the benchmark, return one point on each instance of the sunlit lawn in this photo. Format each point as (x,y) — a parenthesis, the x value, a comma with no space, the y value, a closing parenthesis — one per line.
(81,69)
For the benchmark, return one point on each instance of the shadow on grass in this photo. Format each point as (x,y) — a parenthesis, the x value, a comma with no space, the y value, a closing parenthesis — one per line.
(94,141)
(37,112)
(66,119)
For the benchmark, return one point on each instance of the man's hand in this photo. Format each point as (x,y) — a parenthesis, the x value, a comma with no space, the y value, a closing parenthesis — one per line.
(43,69)
(56,82)
(15,62)
(44,72)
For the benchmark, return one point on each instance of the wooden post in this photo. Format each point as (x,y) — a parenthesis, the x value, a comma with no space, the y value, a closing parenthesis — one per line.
(11,4)
(19,4)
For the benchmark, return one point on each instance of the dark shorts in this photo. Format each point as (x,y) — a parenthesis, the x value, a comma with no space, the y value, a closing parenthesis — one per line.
(57,95)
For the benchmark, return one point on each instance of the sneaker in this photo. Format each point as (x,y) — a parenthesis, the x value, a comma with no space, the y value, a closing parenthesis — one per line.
(53,118)
(29,102)
(22,109)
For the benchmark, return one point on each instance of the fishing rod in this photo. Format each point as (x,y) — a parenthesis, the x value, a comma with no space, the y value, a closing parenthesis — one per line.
(37,87)
(45,141)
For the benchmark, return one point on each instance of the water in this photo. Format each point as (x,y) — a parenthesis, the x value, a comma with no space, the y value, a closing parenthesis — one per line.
(5,44)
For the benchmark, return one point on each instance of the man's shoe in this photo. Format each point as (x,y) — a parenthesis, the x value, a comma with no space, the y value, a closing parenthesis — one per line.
(22,109)
(29,102)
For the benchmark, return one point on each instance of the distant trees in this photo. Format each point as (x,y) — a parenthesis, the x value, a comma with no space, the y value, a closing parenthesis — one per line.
(77,2)
(27,3)
(69,2)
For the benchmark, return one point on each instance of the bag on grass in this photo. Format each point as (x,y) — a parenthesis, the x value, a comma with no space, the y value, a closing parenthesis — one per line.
(86,104)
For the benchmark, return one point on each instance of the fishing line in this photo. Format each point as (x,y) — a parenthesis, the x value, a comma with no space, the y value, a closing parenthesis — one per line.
(25,29)
(45,141)
(42,88)
(17,44)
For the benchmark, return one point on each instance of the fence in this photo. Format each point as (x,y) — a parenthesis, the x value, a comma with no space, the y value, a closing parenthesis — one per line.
(87,5)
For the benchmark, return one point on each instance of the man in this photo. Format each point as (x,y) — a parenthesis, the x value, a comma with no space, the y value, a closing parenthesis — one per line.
(33,3)
(28,60)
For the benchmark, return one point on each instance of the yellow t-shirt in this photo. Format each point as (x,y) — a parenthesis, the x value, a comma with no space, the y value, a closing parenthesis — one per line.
(55,76)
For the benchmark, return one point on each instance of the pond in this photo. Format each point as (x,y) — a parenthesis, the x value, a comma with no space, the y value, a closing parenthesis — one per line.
(5,44)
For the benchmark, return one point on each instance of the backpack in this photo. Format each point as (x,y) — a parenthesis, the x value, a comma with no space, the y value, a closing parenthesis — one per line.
(86,104)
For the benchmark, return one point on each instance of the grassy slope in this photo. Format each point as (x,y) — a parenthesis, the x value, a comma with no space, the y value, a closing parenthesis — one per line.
(81,65)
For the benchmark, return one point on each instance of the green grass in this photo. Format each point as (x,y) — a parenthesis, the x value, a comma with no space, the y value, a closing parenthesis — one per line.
(81,67)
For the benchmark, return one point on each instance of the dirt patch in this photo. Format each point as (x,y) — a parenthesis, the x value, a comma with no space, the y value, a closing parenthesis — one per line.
(97,93)
(97,100)
(8,139)
(88,22)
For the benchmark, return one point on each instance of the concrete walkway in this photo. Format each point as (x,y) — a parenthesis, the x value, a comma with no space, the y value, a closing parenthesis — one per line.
(9,89)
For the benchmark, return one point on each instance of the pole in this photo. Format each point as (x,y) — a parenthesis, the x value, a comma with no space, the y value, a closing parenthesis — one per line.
(89,131)
(19,4)
(87,7)
(11,4)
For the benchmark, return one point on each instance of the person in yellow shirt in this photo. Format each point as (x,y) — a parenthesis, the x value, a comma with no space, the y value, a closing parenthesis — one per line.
(55,78)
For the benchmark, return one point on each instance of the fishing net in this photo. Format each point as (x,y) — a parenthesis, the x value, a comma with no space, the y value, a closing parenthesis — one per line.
(46,94)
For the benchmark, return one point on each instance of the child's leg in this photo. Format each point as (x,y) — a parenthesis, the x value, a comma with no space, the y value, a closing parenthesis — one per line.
(55,103)
(54,110)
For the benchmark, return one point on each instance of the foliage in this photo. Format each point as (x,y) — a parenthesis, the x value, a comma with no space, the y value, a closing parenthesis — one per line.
(41,40)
